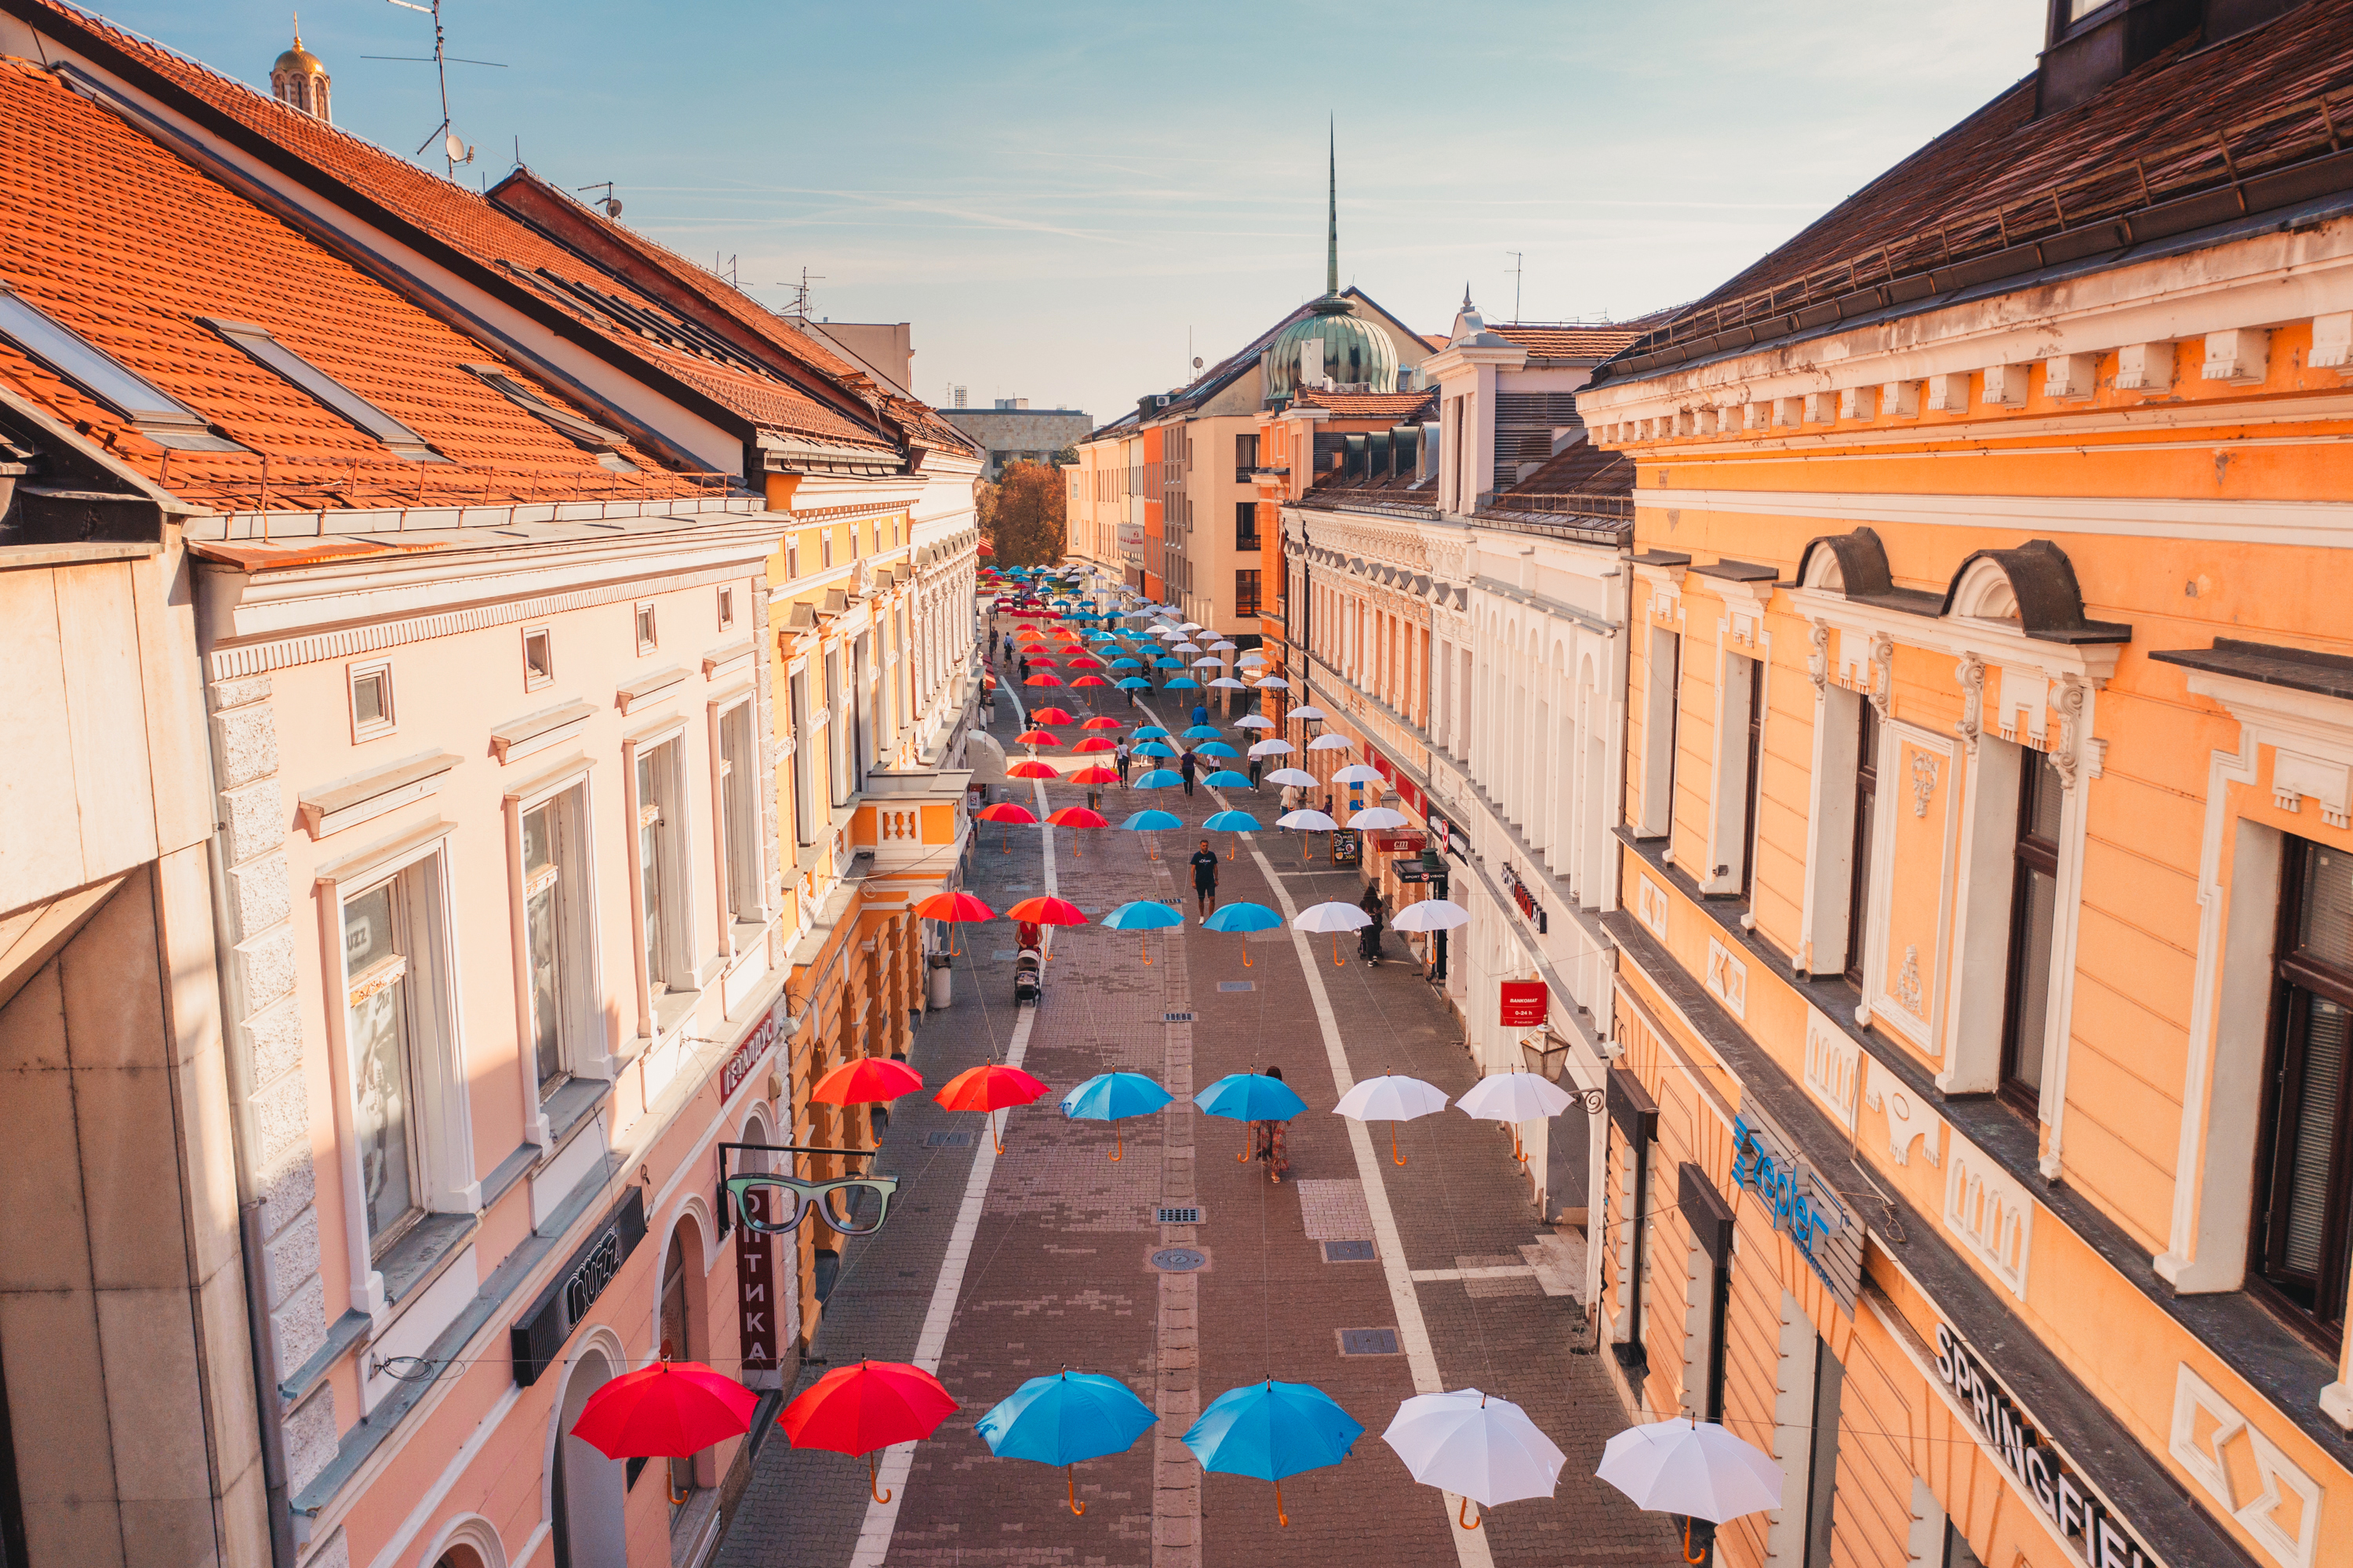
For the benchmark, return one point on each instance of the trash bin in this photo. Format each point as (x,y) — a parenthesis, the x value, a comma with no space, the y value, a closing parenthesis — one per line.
(942,988)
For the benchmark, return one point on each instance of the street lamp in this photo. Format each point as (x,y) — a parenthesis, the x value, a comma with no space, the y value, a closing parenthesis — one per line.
(1545,1053)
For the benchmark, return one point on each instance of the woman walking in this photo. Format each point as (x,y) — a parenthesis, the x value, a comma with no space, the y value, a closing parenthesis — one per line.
(1266,1140)
(1375,910)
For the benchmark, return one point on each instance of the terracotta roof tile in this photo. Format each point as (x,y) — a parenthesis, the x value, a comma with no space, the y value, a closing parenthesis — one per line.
(468,222)
(1394,406)
(126,246)
(1567,340)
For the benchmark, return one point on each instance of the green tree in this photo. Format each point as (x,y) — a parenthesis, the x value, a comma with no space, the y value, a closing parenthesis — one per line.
(1023,516)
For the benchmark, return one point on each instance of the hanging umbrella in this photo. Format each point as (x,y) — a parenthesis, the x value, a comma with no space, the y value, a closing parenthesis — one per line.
(1090,681)
(1100,722)
(1297,776)
(1150,732)
(1218,748)
(1227,778)
(1095,743)
(1031,769)
(1227,683)
(1250,1097)
(1044,678)
(1332,917)
(1270,1430)
(1201,732)
(1006,811)
(1391,1099)
(1329,742)
(1083,661)
(1136,684)
(1152,822)
(1042,661)
(1125,664)
(1208,661)
(1078,817)
(1430,915)
(1156,748)
(1482,1449)
(666,1411)
(1515,1097)
(1696,1469)
(1221,646)
(1358,773)
(1160,778)
(1250,659)
(1312,714)
(1272,683)
(1066,1421)
(1113,1097)
(1181,684)
(1097,775)
(1141,915)
(1232,823)
(1375,820)
(1046,909)
(1166,663)
(865,1408)
(1036,737)
(989,1088)
(1273,747)
(953,907)
(866,1081)
(1049,716)
(1187,647)
(1306,820)
(1241,919)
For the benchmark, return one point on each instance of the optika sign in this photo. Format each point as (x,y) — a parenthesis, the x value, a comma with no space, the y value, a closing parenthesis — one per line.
(2099,1536)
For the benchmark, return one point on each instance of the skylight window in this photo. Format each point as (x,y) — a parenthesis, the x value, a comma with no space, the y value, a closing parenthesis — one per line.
(272,354)
(161,419)
(585,433)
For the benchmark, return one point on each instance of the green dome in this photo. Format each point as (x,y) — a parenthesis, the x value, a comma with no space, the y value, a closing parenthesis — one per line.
(1354,352)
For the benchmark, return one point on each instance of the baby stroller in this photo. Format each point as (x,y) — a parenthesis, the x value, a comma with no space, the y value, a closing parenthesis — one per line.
(1029,977)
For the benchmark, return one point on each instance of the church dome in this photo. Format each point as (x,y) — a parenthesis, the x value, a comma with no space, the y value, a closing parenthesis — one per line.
(298,61)
(1355,351)
(300,80)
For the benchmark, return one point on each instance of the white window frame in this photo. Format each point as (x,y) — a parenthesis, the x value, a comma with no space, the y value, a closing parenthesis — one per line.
(584,1041)
(1828,918)
(546,635)
(803,719)
(739,878)
(645,627)
(726,606)
(676,932)
(418,862)
(1728,806)
(374,730)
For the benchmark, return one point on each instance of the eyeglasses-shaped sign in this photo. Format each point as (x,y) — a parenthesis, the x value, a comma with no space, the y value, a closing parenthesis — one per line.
(842,1204)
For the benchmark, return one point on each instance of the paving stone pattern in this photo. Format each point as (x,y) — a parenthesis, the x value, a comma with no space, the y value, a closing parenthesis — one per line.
(1060,1271)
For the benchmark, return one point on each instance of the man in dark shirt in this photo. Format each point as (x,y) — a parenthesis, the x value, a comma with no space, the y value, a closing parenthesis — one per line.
(1205,879)
(1187,766)
(1200,714)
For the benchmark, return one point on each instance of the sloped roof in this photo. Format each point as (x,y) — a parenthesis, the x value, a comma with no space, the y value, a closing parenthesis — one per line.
(1397,407)
(1578,469)
(2199,136)
(479,231)
(1566,340)
(124,245)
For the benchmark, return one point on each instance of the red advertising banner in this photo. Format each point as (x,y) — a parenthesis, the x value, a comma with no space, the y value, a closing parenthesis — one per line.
(1524,1003)
(756,1285)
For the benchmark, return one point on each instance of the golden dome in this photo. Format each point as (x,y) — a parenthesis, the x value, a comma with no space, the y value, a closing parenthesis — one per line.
(298,61)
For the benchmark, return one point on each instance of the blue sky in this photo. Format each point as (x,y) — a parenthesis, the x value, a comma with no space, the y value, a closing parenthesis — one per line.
(1056,194)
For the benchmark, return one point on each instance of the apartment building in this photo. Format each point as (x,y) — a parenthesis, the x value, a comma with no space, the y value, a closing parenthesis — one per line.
(1976,1120)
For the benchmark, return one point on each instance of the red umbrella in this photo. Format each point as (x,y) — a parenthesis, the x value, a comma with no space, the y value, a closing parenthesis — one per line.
(867,1079)
(1036,737)
(1040,660)
(1044,678)
(1101,721)
(1032,769)
(1097,743)
(665,1412)
(1085,662)
(1049,716)
(1091,681)
(870,1407)
(1078,817)
(1092,776)
(1048,910)
(1007,811)
(953,907)
(991,1088)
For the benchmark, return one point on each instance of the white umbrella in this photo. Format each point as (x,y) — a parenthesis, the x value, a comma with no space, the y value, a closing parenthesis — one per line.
(1326,742)
(1695,1470)
(1515,1097)
(1298,776)
(1221,646)
(1307,821)
(1207,662)
(1482,1449)
(1392,1099)
(1332,917)
(1274,684)
(1192,626)
(1358,773)
(1187,647)
(1308,712)
(1253,721)
(1270,747)
(1227,683)
(1377,820)
(1251,659)
(1431,915)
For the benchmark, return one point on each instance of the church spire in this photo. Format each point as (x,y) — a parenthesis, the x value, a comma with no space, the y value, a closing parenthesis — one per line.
(1332,218)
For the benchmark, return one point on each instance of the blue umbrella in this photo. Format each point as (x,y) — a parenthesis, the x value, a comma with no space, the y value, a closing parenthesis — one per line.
(1232,823)
(1227,778)
(1215,749)
(1182,684)
(1160,778)
(1156,748)
(1202,732)
(1152,822)
(1141,915)
(1151,732)
(1136,684)
(1168,664)
(1113,1096)
(1248,1096)
(1127,664)
(1242,918)
(1066,1421)
(1271,1430)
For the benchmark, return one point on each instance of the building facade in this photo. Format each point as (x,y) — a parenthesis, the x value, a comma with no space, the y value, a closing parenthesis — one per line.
(1975,1123)
(1015,432)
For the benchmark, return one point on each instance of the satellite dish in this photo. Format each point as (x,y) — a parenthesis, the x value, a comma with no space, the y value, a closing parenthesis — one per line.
(1196,362)
(612,206)
(456,149)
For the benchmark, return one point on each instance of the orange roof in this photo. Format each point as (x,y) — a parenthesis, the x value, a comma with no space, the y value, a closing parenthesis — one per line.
(514,252)
(1568,340)
(1366,405)
(126,246)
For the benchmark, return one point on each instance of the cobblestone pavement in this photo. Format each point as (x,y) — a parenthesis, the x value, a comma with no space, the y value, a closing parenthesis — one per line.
(1059,1271)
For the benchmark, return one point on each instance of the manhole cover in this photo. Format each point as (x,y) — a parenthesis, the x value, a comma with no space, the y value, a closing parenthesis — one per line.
(1176,1018)
(1368,1341)
(1001,954)
(1347,1252)
(1179,1217)
(1238,985)
(947,1140)
(1179,1260)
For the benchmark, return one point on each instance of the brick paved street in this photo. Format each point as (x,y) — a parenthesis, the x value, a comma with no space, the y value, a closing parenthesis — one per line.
(1059,1271)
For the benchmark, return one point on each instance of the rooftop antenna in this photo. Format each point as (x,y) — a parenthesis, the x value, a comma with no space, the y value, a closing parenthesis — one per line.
(1515,255)
(728,271)
(454,149)
(610,205)
(799,305)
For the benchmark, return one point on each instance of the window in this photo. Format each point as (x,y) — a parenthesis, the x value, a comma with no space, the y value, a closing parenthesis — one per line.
(2304,1166)
(1821,1474)
(376,944)
(804,755)
(1750,769)
(856,540)
(739,817)
(1866,805)
(647,641)
(556,936)
(538,657)
(835,777)
(267,350)
(824,549)
(371,701)
(158,416)
(2033,916)
(1245,458)
(1958,1553)
(726,609)
(585,434)
(1246,525)
(1660,703)
(678,1344)
(791,558)
(1246,586)
(660,867)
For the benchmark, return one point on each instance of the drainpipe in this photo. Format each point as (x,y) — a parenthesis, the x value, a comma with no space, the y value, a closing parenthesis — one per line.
(268,1402)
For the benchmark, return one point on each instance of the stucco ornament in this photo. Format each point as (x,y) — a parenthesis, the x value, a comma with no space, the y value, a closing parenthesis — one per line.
(1883,672)
(1971,672)
(1817,662)
(1908,979)
(2068,700)
(1908,1116)
(1923,783)
(2290,1532)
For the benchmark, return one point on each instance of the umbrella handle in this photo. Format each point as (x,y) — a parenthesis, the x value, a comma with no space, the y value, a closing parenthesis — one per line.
(678,1498)
(1246,960)
(1687,1551)
(1243,1158)
(1144,945)
(1463,1514)
(1400,1159)
(873,1484)
(1118,1144)
(1071,1472)
(1281,1517)
(1337,962)
(1519,1150)
(995,1136)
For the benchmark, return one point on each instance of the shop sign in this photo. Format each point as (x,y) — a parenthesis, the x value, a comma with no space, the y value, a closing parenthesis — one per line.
(1398,843)
(1525,1003)
(1446,837)
(538,1336)
(765,1033)
(1523,895)
(755,1283)
(1801,1203)
(2056,1487)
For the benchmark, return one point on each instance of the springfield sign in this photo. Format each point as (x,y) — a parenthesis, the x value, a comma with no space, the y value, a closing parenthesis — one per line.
(2083,1520)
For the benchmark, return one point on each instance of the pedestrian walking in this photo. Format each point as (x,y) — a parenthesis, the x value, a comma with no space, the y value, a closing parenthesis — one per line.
(1205,879)
(1375,910)
(1025,669)
(1200,714)
(1256,763)
(1289,799)
(1122,756)
(1266,1140)
(1189,765)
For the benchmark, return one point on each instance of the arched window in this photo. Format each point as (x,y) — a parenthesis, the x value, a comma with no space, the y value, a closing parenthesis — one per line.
(677,1342)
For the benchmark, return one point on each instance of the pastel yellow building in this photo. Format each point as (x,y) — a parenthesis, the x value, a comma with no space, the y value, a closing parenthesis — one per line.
(1979,1138)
